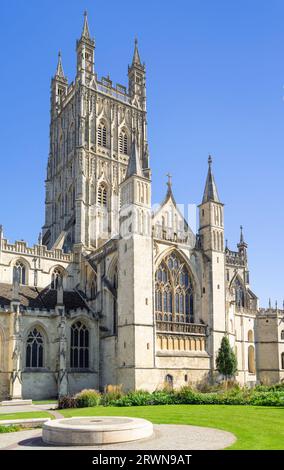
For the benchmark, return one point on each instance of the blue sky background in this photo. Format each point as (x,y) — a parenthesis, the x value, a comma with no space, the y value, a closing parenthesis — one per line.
(215,75)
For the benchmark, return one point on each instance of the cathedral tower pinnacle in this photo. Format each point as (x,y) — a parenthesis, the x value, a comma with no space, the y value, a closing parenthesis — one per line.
(137,79)
(85,54)
(210,191)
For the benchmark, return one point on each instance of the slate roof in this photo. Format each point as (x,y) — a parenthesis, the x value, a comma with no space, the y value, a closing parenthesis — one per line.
(35,298)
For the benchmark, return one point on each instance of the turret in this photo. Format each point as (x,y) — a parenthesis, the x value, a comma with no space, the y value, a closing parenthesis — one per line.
(85,54)
(137,80)
(242,245)
(211,231)
(59,86)
(211,215)
(135,293)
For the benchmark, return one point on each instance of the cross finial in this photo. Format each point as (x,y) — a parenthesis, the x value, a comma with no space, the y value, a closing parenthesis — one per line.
(169,182)
(136,41)
(210,160)
(269,303)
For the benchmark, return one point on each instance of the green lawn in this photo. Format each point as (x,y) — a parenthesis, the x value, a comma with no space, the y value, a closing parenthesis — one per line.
(256,428)
(26,415)
(45,402)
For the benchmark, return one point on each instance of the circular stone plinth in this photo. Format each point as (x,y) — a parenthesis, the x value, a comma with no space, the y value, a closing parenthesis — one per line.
(96,430)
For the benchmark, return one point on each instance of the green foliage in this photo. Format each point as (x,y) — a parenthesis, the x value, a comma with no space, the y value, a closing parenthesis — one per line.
(267,398)
(226,361)
(144,398)
(87,398)
(137,398)
(216,395)
(10,428)
(163,397)
(270,388)
(111,394)
(188,396)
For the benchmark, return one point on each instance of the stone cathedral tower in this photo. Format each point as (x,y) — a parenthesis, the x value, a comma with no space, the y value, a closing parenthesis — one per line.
(91,130)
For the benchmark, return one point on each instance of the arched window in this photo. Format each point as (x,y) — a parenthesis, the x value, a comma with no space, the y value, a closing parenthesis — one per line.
(282,361)
(20,271)
(102,195)
(174,300)
(282,334)
(123,142)
(239,293)
(169,381)
(102,135)
(79,351)
(93,289)
(251,360)
(56,278)
(250,336)
(34,349)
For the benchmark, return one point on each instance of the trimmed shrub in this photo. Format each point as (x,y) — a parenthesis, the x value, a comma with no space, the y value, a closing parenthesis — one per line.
(87,398)
(67,402)
(270,388)
(111,394)
(137,398)
(267,398)
(163,397)
(188,396)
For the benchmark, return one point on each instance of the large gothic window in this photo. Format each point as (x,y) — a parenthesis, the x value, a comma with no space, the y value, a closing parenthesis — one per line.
(174,291)
(79,351)
(20,271)
(34,349)
(239,293)
(102,135)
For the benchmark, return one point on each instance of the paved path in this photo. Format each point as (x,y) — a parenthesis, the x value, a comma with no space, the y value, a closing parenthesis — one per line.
(24,408)
(166,437)
(51,408)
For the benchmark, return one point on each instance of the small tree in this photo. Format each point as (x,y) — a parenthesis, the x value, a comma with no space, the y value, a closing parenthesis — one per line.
(226,361)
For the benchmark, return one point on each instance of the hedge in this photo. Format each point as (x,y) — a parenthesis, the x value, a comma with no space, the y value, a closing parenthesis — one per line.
(184,396)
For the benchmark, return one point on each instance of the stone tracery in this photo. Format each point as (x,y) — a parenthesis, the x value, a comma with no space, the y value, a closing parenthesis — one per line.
(174,293)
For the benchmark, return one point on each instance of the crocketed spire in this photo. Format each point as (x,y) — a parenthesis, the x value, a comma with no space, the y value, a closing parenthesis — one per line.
(136,58)
(86,32)
(59,69)
(210,192)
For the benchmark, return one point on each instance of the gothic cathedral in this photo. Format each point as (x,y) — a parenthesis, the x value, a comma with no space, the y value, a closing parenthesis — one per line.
(114,292)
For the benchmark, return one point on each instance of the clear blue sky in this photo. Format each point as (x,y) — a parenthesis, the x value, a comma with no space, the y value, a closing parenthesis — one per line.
(215,75)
